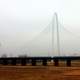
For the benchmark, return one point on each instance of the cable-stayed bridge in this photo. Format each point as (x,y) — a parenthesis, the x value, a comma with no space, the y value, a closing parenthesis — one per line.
(54,42)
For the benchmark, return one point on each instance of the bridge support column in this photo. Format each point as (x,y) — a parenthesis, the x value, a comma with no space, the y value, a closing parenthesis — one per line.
(5,62)
(56,62)
(23,62)
(13,62)
(44,62)
(33,62)
(68,63)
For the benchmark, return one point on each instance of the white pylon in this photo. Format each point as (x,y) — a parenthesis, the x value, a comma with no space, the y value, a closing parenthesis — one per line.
(55,36)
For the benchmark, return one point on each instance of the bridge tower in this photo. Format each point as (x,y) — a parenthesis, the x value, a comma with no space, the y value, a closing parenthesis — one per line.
(55,36)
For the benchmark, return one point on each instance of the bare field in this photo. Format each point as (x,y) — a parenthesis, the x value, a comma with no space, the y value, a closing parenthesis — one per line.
(39,73)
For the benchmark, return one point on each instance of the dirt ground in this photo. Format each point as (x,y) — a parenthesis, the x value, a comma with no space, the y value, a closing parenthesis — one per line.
(39,73)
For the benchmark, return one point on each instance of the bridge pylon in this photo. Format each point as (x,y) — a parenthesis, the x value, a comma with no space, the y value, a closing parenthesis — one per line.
(55,36)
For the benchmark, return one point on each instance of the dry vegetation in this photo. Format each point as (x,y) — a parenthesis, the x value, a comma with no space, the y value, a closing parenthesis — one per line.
(40,72)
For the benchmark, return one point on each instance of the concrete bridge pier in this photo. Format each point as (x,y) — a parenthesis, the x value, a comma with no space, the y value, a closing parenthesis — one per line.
(33,62)
(5,62)
(68,62)
(13,61)
(23,62)
(56,62)
(44,62)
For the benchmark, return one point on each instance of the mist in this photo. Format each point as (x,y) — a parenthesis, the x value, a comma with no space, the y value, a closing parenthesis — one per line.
(22,21)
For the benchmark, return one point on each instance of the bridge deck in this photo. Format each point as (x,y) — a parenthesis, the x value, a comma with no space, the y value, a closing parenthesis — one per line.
(41,58)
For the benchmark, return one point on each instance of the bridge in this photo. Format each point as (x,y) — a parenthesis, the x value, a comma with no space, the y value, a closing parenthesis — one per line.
(55,46)
(34,60)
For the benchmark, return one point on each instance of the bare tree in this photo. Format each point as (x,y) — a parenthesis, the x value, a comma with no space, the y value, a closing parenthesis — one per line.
(24,55)
(4,55)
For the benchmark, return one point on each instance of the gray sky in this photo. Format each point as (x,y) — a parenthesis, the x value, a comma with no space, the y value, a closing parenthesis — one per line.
(21,20)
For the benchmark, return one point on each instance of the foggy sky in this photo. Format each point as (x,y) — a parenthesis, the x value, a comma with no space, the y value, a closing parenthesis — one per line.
(22,20)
